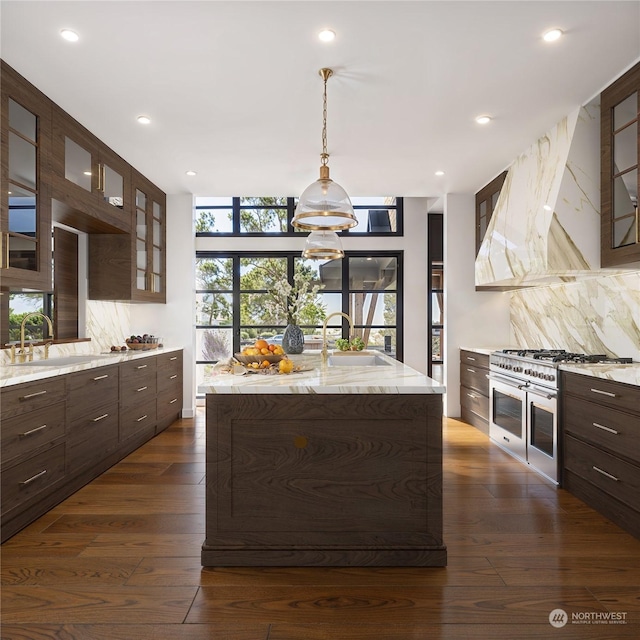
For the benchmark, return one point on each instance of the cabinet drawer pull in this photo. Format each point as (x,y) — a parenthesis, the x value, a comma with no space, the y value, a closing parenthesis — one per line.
(32,478)
(144,417)
(174,400)
(604,473)
(142,366)
(470,358)
(142,388)
(601,426)
(28,433)
(102,417)
(604,393)
(173,358)
(473,396)
(106,375)
(33,395)
(173,377)
(471,370)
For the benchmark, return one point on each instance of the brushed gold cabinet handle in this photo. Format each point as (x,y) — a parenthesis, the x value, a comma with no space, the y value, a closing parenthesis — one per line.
(174,400)
(471,370)
(32,478)
(28,433)
(601,426)
(173,377)
(472,395)
(106,375)
(604,473)
(102,417)
(470,358)
(33,395)
(144,417)
(604,393)
(142,366)
(173,358)
(142,389)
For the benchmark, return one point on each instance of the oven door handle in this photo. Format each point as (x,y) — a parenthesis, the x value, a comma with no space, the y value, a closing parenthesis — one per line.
(508,381)
(544,393)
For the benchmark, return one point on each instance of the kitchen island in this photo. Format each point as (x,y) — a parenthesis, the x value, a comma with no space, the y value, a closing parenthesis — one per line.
(331,466)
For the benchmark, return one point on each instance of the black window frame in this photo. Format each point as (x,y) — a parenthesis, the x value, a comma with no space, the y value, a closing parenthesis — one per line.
(290,207)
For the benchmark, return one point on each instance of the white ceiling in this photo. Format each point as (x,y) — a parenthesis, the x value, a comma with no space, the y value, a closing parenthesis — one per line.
(234,93)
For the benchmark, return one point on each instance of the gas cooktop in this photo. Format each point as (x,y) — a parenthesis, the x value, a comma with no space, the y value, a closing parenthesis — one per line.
(560,356)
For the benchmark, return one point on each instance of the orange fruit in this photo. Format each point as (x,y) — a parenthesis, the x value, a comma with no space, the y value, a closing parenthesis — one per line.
(265,352)
(265,364)
(261,344)
(271,347)
(285,365)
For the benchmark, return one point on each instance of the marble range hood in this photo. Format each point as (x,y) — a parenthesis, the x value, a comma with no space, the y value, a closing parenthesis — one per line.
(546,224)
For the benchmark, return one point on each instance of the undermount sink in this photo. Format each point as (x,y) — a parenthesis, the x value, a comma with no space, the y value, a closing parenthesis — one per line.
(63,361)
(356,361)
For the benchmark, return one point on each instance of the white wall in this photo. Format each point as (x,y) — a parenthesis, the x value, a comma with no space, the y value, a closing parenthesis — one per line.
(473,318)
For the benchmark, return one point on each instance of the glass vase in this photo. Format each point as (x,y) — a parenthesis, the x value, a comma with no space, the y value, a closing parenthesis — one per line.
(293,339)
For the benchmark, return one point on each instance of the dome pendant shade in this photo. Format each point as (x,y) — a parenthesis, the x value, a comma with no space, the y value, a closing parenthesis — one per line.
(324,206)
(323,245)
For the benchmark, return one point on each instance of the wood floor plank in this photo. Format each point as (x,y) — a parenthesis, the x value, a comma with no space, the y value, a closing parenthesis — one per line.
(138,478)
(282,631)
(89,604)
(238,631)
(576,571)
(620,598)
(147,468)
(36,544)
(390,605)
(188,571)
(67,571)
(143,545)
(150,523)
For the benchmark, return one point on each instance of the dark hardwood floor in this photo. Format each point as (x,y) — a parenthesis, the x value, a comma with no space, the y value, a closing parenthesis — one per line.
(120,560)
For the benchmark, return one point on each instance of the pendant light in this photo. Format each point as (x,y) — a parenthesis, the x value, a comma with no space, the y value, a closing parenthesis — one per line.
(324,205)
(323,245)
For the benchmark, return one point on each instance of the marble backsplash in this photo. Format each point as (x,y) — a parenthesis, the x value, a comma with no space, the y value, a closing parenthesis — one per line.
(596,316)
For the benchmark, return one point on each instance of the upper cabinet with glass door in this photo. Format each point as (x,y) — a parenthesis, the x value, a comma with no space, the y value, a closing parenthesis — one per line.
(91,183)
(150,238)
(620,234)
(25,201)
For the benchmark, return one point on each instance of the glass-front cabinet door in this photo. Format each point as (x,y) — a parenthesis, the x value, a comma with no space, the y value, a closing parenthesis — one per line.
(89,177)
(620,107)
(150,238)
(26,209)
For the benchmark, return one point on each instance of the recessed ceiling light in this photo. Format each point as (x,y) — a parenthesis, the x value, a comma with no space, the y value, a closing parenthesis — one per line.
(86,173)
(483,119)
(69,35)
(144,119)
(546,207)
(327,35)
(439,173)
(191,173)
(552,35)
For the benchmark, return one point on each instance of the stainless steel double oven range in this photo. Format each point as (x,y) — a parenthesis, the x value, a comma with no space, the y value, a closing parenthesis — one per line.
(523,409)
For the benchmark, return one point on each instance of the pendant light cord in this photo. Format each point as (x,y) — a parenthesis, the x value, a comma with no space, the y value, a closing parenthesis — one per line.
(324,157)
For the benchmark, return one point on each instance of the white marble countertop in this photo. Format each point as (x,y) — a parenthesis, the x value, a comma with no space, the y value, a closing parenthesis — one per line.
(627,373)
(11,374)
(396,377)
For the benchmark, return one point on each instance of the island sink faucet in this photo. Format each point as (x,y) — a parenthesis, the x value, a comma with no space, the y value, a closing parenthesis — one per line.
(24,356)
(324,331)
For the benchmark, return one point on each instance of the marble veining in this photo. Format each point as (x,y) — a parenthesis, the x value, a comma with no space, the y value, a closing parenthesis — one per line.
(108,323)
(597,316)
(627,373)
(395,378)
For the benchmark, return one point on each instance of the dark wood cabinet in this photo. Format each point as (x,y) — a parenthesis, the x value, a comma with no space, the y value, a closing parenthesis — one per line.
(486,200)
(60,433)
(620,175)
(474,389)
(25,200)
(133,267)
(335,480)
(91,184)
(601,437)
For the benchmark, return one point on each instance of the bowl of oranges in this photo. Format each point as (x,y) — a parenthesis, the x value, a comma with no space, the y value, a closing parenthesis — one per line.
(260,353)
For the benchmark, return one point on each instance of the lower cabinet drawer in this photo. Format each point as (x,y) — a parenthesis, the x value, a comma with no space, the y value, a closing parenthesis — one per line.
(26,434)
(90,439)
(89,388)
(613,430)
(30,396)
(32,476)
(474,401)
(474,377)
(137,419)
(618,478)
(169,402)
